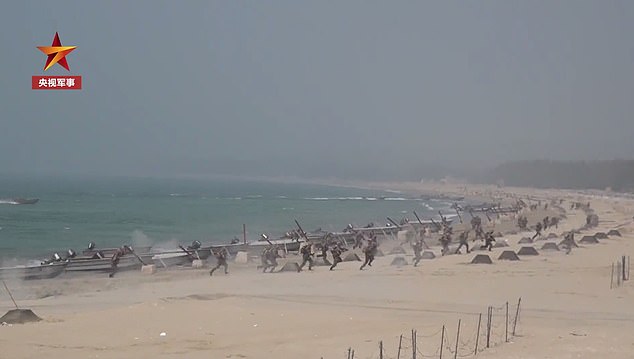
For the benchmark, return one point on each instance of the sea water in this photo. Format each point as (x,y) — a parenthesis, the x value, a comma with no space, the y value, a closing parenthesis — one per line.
(110,212)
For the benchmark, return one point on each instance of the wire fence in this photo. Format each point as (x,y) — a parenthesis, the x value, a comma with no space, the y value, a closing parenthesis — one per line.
(465,339)
(620,272)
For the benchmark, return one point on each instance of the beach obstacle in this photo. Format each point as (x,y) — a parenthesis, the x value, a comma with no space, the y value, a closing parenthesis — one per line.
(351,257)
(600,235)
(568,243)
(19,316)
(525,240)
(550,246)
(321,262)
(614,232)
(481,259)
(428,255)
(397,250)
(552,235)
(501,244)
(509,256)
(148,269)
(527,251)
(398,261)
(241,257)
(289,267)
(379,253)
(197,264)
(589,240)
(498,234)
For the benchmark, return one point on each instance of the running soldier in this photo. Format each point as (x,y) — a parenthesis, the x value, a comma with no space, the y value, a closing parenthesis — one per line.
(369,252)
(272,254)
(538,230)
(462,238)
(418,248)
(336,251)
(488,241)
(546,222)
(221,258)
(307,256)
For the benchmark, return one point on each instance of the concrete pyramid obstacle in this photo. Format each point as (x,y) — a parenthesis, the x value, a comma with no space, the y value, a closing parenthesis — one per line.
(501,244)
(481,259)
(379,253)
(321,262)
(398,261)
(397,250)
(351,257)
(552,235)
(589,240)
(600,235)
(290,267)
(428,255)
(550,246)
(614,232)
(509,256)
(527,251)
(568,243)
(525,240)
(19,316)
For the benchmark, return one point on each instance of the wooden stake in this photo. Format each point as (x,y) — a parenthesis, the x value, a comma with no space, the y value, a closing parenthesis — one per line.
(10,295)
(381,349)
(506,324)
(517,315)
(478,334)
(413,344)
(400,341)
(490,315)
(244,233)
(612,277)
(623,269)
(349,352)
(442,340)
(455,354)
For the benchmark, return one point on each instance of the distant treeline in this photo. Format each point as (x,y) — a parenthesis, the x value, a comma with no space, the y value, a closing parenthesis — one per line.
(616,174)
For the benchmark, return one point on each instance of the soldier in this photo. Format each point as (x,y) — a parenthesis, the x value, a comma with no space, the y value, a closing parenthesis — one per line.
(271,257)
(463,241)
(221,258)
(417,246)
(358,241)
(369,252)
(538,230)
(264,258)
(546,222)
(307,256)
(116,256)
(488,241)
(445,239)
(554,221)
(336,251)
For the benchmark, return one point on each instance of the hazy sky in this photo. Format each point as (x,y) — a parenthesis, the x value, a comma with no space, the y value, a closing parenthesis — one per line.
(319,88)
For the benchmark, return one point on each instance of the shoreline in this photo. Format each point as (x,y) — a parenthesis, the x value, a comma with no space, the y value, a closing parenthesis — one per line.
(248,314)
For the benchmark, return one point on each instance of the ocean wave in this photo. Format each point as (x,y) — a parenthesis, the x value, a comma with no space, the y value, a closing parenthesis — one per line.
(395,199)
(5,201)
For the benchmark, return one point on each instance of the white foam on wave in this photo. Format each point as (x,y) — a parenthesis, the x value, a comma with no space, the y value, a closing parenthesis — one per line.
(395,199)
(5,201)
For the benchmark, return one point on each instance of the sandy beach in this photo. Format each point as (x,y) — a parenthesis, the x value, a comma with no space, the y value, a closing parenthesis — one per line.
(567,310)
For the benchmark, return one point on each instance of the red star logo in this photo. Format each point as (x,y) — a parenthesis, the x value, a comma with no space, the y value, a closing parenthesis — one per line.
(56,53)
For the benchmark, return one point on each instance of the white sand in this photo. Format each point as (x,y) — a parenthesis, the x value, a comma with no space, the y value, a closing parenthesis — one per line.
(568,309)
